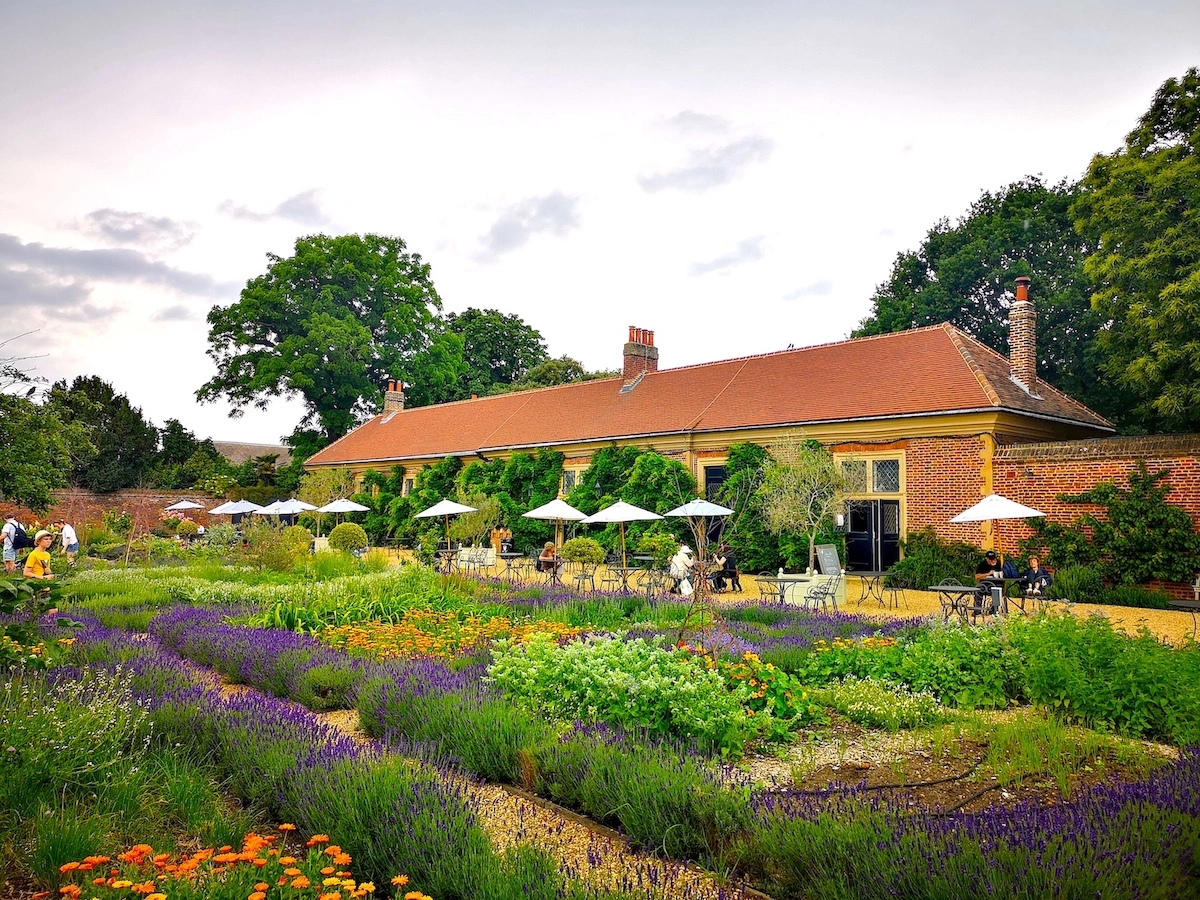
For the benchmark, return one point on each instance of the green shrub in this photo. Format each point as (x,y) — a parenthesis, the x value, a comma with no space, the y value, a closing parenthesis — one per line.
(583,550)
(298,538)
(1080,584)
(187,528)
(222,536)
(929,560)
(348,537)
(881,704)
(660,545)
(1135,596)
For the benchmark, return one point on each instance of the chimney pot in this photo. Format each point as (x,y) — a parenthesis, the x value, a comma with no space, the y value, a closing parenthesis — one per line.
(393,399)
(1022,338)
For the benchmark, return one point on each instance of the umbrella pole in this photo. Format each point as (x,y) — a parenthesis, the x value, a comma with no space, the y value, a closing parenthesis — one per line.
(623,563)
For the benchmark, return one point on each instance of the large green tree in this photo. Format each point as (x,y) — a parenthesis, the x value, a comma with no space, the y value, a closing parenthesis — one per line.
(126,444)
(1140,208)
(552,372)
(963,273)
(330,324)
(498,349)
(39,450)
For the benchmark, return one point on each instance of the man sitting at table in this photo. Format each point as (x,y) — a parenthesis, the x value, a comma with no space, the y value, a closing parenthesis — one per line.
(989,574)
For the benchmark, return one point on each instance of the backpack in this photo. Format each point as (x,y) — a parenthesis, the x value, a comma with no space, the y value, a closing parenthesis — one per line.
(20,539)
(1010,569)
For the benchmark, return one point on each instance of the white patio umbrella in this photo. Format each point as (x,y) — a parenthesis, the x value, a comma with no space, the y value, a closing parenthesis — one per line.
(621,512)
(184,504)
(993,508)
(445,508)
(556,511)
(291,507)
(700,511)
(344,505)
(235,508)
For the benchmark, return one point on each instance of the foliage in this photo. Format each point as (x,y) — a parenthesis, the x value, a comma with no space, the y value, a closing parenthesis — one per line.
(658,483)
(963,273)
(801,489)
(380,492)
(222,536)
(267,549)
(187,528)
(756,549)
(445,634)
(880,704)
(1138,207)
(1076,583)
(183,461)
(1134,596)
(660,545)
(348,537)
(584,550)
(322,486)
(125,443)
(23,602)
(929,560)
(330,324)
(39,451)
(553,372)
(475,528)
(119,523)
(498,350)
(1083,670)
(630,684)
(297,537)
(604,479)
(1139,538)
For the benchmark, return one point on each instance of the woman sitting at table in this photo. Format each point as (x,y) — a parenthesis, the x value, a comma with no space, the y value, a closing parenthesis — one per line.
(548,560)
(681,566)
(1036,579)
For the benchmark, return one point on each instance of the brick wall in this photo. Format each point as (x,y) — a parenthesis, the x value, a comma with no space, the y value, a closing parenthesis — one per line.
(80,507)
(943,477)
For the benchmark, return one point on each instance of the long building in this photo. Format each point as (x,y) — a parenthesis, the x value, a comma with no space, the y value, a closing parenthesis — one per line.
(916,417)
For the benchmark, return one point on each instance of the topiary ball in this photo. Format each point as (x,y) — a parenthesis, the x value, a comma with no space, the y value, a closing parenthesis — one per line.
(348,537)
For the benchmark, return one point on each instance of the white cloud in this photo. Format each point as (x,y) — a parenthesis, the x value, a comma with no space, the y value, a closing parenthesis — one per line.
(749,250)
(302,209)
(711,167)
(554,213)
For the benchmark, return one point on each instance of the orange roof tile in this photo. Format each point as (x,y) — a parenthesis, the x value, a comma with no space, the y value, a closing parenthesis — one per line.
(924,371)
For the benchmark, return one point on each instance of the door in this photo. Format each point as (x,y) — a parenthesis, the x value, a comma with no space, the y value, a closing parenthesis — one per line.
(873,535)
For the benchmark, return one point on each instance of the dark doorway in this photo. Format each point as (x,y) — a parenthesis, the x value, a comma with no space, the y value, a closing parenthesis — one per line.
(873,535)
(714,477)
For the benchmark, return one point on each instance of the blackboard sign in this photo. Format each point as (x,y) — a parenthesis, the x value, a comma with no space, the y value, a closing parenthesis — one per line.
(827,559)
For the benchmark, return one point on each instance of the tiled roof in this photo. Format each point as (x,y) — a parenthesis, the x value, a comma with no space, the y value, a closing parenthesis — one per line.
(925,371)
(237,452)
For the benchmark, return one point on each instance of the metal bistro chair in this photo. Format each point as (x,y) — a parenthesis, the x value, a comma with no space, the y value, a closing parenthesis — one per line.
(952,603)
(767,590)
(823,593)
(610,579)
(585,574)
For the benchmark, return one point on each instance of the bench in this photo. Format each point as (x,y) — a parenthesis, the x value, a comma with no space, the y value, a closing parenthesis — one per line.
(1192,606)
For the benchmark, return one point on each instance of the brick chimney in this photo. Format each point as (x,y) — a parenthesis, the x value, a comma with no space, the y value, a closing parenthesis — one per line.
(393,398)
(641,355)
(1022,340)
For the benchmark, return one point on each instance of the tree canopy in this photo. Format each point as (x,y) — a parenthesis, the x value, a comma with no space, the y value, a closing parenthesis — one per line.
(330,324)
(1140,207)
(963,273)
(126,444)
(497,349)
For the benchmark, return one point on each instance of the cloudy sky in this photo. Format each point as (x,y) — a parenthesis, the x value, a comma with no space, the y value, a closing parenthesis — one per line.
(735,176)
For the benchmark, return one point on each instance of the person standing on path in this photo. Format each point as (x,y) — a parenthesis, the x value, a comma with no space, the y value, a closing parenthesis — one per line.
(69,539)
(37,563)
(10,547)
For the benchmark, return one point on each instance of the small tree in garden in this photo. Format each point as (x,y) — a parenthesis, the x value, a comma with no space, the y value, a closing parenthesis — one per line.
(322,486)
(582,550)
(802,487)
(348,537)
(475,527)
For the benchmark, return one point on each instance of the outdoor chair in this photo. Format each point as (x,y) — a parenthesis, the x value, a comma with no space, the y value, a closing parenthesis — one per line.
(952,604)
(585,574)
(823,593)
(767,590)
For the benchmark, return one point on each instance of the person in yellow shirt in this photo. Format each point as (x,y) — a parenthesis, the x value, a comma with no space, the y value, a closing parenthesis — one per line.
(37,563)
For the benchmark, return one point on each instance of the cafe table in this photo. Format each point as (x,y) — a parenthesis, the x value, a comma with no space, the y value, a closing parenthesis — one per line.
(782,583)
(508,558)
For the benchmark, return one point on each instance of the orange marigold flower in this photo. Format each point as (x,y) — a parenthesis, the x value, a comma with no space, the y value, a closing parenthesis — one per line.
(225,857)
(336,895)
(328,870)
(68,867)
(262,886)
(318,839)
(333,850)
(226,848)
(342,859)
(257,895)
(146,887)
(301,882)
(260,863)
(99,880)
(157,897)
(400,880)
(39,895)
(97,860)
(287,826)
(70,890)
(293,871)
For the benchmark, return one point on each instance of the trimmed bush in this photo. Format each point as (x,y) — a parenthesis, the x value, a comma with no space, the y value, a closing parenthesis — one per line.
(348,537)
(583,550)
(187,528)
(297,537)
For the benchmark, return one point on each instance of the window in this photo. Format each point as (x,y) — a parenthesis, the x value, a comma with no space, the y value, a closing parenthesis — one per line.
(855,473)
(408,486)
(885,476)
(714,477)
(568,481)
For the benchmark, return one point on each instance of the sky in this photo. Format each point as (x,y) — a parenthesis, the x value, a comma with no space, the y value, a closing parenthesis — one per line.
(735,176)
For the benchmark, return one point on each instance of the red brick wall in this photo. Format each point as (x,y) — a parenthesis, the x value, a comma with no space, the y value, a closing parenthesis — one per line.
(1035,474)
(943,476)
(81,508)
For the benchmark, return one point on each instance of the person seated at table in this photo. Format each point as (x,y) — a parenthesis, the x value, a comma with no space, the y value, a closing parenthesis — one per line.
(727,569)
(988,574)
(1036,579)
(681,566)
(548,560)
